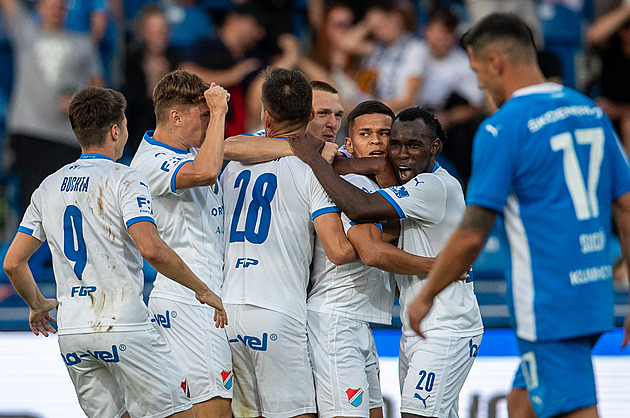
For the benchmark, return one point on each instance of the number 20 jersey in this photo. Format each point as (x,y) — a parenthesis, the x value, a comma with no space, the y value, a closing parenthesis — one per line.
(550,161)
(269,213)
(84,210)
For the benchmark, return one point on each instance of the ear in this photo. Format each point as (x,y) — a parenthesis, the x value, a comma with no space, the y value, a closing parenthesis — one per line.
(175,116)
(114,131)
(497,63)
(436,147)
(268,120)
(312,115)
(348,143)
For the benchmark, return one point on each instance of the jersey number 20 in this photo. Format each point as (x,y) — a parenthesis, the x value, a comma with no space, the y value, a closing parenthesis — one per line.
(73,234)
(584,196)
(259,209)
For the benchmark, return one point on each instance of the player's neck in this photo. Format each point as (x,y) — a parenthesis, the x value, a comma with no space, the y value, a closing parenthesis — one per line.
(107,151)
(168,136)
(521,77)
(283,133)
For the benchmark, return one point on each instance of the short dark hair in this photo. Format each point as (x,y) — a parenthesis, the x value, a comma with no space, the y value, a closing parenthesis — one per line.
(414,113)
(505,28)
(93,111)
(177,88)
(287,96)
(368,107)
(323,86)
(443,14)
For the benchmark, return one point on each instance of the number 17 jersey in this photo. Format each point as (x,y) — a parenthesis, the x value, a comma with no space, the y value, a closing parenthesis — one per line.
(269,213)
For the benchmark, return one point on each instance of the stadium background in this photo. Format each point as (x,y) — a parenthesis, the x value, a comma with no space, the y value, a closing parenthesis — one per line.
(33,380)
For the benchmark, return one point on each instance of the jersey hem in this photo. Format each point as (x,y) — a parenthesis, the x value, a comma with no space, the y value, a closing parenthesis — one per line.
(105,328)
(357,318)
(301,318)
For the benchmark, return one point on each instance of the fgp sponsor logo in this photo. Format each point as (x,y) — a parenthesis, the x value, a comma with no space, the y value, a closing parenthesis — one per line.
(355,397)
(82,291)
(185,388)
(399,191)
(164,320)
(226,377)
(144,204)
(70,359)
(255,343)
(170,163)
(246,262)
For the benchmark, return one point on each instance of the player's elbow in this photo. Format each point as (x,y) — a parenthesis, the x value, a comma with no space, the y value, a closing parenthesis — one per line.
(151,250)
(370,257)
(343,256)
(10,265)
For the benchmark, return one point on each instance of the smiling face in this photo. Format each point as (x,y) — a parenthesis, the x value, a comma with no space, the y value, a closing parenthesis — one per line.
(328,114)
(412,149)
(369,136)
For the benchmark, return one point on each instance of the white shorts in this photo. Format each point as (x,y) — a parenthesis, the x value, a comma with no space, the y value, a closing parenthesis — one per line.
(133,371)
(200,349)
(272,369)
(345,365)
(432,372)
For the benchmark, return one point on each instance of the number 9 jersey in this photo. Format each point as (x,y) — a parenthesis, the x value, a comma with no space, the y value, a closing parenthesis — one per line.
(553,177)
(84,210)
(269,212)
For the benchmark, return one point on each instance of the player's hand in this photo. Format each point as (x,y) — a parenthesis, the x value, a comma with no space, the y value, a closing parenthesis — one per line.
(626,331)
(306,147)
(330,151)
(39,318)
(210,298)
(418,310)
(217,98)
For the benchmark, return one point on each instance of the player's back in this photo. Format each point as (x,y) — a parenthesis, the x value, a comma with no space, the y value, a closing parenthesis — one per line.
(559,207)
(83,210)
(269,212)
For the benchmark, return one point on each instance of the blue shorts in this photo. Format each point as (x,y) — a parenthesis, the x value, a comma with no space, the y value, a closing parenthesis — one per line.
(558,375)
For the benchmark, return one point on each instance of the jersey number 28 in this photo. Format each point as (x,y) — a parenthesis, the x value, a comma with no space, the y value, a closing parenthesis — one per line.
(259,209)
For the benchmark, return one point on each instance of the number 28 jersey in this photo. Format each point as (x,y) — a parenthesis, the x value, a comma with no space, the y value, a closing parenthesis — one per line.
(84,210)
(269,213)
(554,175)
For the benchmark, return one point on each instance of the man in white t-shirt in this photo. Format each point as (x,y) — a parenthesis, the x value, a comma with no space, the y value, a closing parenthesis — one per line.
(271,213)
(182,160)
(96,216)
(431,204)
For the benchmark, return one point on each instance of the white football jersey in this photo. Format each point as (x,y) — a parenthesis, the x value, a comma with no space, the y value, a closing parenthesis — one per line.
(269,212)
(190,220)
(431,205)
(84,210)
(354,290)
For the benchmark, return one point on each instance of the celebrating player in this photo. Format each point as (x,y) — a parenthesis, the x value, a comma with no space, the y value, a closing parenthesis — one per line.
(94,212)
(182,159)
(550,162)
(431,204)
(271,211)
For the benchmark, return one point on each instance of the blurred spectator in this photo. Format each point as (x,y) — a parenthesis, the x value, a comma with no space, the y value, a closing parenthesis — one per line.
(610,36)
(391,70)
(147,61)
(189,23)
(449,88)
(231,60)
(51,63)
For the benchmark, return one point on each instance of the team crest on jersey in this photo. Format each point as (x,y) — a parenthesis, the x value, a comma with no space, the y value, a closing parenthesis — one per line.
(227,379)
(185,388)
(400,191)
(355,396)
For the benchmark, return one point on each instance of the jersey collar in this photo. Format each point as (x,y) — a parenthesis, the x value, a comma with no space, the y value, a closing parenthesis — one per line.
(148,136)
(94,156)
(435,167)
(547,87)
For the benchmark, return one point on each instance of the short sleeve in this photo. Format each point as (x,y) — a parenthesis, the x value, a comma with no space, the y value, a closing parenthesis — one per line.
(164,172)
(320,202)
(423,199)
(32,221)
(135,199)
(492,168)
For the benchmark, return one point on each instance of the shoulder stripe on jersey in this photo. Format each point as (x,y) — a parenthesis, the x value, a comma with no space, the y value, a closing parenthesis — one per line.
(399,211)
(139,219)
(330,209)
(25,230)
(173,189)
(148,136)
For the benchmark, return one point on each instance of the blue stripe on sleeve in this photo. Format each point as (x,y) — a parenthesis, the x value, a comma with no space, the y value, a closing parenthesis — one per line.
(399,211)
(139,219)
(25,230)
(330,209)
(173,189)
(375,223)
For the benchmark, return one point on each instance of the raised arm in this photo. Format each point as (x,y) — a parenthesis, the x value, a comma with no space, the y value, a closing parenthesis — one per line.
(373,251)
(379,167)
(205,168)
(455,259)
(16,266)
(354,202)
(621,214)
(607,25)
(259,149)
(166,261)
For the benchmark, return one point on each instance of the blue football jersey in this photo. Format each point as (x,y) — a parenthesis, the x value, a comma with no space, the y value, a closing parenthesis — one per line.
(550,162)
